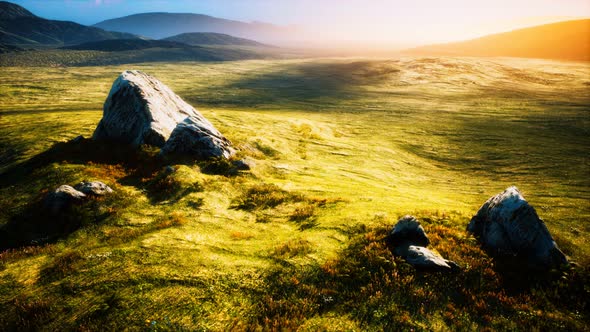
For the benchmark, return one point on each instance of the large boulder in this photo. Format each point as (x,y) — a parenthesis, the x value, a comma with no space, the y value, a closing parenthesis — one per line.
(408,240)
(62,198)
(506,225)
(142,110)
(199,139)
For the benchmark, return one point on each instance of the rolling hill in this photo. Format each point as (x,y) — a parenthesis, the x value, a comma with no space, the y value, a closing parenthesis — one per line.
(4,48)
(118,45)
(19,27)
(98,54)
(164,25)
(560,41)
(211,38)
(10,11)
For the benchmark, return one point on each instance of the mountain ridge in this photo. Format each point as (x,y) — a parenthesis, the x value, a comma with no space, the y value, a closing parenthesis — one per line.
(212,38)
(9,11)
(160,25)
(20,27)
(565,40)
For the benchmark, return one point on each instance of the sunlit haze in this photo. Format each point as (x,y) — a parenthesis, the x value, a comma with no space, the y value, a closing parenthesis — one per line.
(386,22)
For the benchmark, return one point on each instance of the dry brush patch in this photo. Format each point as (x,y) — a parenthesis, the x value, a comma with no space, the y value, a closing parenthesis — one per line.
(383,292)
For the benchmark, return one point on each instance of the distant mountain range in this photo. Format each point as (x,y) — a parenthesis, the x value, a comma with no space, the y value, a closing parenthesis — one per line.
(164,25)
(221,39)
(211,38)
(28,40)
(569,40)
(20,27)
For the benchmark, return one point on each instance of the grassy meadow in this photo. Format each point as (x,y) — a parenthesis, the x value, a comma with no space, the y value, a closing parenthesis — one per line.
(342,148)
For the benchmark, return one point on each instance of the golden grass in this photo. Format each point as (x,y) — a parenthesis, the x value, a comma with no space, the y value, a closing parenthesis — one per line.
(343,148)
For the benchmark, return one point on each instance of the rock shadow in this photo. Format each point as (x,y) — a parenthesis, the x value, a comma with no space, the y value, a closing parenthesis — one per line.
(35,226)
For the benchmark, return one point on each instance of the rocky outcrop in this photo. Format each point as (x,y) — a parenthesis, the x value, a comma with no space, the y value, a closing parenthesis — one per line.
(408,240)
(142,110)
(61,198)
(96,188)
(196,137)
(506,225)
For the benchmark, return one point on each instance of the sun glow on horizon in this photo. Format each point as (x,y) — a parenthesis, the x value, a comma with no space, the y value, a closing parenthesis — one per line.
(387,22)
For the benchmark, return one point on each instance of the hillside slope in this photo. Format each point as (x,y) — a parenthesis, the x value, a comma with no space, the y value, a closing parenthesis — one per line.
(86,55)
(163,25)
(118,45)
(10,11)
(211,38)
(569,40)
(20,27)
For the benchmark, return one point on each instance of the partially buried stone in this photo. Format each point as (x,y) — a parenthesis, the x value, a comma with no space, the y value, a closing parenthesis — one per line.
(422,257)
(408,240)
(62,198)
(93,188)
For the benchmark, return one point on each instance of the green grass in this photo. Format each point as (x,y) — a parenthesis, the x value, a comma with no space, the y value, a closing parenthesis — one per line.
(343,148)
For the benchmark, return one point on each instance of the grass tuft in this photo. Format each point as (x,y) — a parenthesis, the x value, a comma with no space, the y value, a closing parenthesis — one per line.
(263,196)
(293,248)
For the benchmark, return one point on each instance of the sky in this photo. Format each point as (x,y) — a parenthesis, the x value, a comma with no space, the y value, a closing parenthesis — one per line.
(372,21)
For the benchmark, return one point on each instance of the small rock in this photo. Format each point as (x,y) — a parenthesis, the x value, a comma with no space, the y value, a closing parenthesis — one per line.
(408,230)
(422,257)
(62,198)
(93,188)
(198,139)
(506,225)
(409,241)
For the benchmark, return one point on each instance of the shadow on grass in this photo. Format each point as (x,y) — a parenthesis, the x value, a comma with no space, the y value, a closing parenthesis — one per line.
(138,163)
(27,223)
(326,83)
(142,161)
(34,226)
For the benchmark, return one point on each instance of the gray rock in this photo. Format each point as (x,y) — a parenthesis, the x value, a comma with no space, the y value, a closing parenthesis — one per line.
(93,188)
(142,110)
(507,225)
(408,230)
(409,241)
(62,198)
(422,257)
(198,139)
